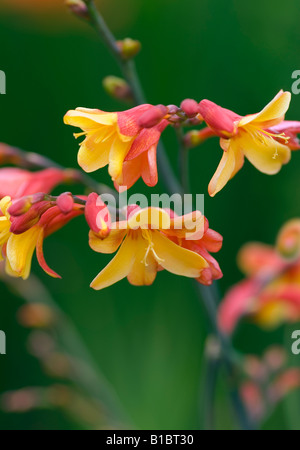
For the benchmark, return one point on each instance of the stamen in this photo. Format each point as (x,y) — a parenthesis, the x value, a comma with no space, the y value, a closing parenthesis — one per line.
(77,135)
(260,134)
(104,138)
(277,136)
(146,235)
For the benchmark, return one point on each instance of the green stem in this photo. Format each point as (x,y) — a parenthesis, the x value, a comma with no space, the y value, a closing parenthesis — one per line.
(212,370)
(130,74)
(208,295)
(183,161)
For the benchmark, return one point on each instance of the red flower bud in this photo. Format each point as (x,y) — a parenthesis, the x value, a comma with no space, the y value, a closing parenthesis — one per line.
(190,107)
(97,215)
(65,202)
(173,109)
(25,221)
(22,205)
(153,116)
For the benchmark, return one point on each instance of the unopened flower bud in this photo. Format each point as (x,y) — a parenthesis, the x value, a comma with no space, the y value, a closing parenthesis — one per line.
(118,88)
(190,107)
(288,242)
(26,221)
(22,205)
(129,48)
(65,202)
(173,109)
(78,7)
(97,215)
(153,116)
(195,137)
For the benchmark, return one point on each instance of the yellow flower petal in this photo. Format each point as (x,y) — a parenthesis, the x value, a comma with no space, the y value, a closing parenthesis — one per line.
(273,113)
(231,162)
(189,225)
(119,267)
(272,314)
(144,269)
(150,218)
(91,159)
(19,251)
(117,154)
(176,259)
(89,119)
(108,245)
(266,154)
(5,203)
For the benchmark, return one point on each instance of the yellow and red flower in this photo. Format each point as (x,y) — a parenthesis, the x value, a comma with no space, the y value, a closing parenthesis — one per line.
(271,293)
(121,140)
(146,241)
(268,380)
(15,182)
(262,138)
(29,232)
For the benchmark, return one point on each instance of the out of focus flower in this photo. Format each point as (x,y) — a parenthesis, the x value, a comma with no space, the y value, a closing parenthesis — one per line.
(252,137)
(253,399)
(121,140)
(15,182)
(268,380)
(271,293)
(196,137)
(146,246)
(36,315)
(34,5)
(20,236)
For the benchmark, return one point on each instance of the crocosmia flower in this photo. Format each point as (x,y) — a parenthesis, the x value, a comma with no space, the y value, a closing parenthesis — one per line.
(145,243)
(262,138)
(112,138)
(15,182)
(29,232)
(270,294)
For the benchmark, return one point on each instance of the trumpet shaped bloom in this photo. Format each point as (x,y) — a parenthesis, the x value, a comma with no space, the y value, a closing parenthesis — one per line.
(112,138)
(270,294)
(146,246)
(252,136)
(15,182)
(17,248)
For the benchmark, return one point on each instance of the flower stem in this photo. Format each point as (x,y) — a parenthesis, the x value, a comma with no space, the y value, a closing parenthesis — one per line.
(128,69)
(183,161)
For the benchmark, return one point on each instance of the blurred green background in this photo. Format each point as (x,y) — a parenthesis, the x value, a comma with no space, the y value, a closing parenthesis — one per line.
(148,341)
